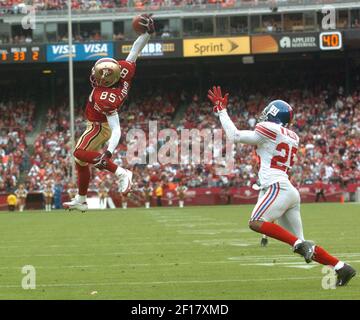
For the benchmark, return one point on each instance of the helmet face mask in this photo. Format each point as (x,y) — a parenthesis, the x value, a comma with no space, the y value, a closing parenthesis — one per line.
(263,116)
(105,73)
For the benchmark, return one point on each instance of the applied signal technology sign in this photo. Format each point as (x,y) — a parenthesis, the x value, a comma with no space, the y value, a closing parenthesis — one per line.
(80,52)
(285,43)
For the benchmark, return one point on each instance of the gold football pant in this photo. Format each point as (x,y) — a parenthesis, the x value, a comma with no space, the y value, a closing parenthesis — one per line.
(93,138)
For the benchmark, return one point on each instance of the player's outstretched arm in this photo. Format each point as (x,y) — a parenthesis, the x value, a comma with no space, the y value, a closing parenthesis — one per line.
(220,105)
(142,40)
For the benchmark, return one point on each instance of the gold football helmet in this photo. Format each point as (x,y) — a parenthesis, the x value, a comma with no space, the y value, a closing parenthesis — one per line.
(105,73)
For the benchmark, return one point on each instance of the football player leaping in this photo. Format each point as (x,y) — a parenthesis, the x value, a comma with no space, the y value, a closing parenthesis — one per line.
(111,82)
(279,199)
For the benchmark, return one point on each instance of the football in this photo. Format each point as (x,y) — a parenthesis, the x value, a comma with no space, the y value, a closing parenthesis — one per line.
(138,28)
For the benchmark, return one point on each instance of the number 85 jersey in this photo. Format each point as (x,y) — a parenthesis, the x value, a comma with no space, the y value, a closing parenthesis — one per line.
(276,152)
(104,101)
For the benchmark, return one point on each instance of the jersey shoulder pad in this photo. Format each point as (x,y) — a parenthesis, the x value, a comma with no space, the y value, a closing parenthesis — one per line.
(106,100)
(268,130)
(291,134)
(127,69)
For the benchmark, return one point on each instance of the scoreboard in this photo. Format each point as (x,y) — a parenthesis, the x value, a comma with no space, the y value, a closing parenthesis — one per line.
(330,40)
(22,53)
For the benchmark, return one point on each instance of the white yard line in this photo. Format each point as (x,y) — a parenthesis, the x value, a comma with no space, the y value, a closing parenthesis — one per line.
(268,262)
(141,283)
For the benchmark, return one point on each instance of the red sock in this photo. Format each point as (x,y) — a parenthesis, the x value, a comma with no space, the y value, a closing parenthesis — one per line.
(323,257)
(83,173)
(110,166)
(89,156)
(275,231)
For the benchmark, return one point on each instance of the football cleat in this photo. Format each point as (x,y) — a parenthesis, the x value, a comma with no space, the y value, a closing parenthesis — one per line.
(305,249)
(75,204)
(344,275)
(125,182)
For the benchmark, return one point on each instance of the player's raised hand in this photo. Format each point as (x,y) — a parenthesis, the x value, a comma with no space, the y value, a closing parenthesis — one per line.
(147,22)
(220,102)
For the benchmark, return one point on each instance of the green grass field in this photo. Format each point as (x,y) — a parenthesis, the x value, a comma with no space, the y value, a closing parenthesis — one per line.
(170,253)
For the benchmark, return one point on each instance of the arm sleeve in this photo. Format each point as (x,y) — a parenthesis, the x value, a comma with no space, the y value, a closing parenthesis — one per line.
(243,136)
(114,124)
(137,47)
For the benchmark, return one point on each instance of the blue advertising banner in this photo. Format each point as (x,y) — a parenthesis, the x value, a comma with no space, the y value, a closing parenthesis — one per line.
(80,51)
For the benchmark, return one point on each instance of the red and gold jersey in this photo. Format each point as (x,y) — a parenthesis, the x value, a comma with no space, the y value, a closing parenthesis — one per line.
(105,101)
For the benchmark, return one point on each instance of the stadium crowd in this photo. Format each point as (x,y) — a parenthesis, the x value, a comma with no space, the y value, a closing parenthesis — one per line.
(92,5)
(327,122)
(14,126)
(52,149)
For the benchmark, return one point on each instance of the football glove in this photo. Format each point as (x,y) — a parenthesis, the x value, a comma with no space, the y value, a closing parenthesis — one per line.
(219,102)
(147,22)
(100,162)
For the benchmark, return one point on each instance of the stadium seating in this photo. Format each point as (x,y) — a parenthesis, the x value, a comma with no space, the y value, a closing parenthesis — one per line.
(328,139)
(327,122)
(52,150)
(14,126)
(92,5)
(328,136)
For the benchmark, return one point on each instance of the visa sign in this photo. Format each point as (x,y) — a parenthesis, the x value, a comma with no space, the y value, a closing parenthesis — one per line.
(80,52)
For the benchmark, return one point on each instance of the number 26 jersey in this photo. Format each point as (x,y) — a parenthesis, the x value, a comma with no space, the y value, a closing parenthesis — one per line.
(276,152)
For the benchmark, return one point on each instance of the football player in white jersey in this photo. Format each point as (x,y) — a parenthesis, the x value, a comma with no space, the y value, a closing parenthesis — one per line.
(279,200)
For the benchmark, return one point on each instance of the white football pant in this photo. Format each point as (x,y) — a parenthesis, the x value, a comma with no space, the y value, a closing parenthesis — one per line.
(280,201)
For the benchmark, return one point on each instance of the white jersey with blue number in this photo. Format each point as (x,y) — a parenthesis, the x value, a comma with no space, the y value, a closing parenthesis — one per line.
(276,151)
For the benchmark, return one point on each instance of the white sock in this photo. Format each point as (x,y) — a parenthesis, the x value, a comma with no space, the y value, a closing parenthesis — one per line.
(147,205)
(339,265)
(82,198)
(120,171)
